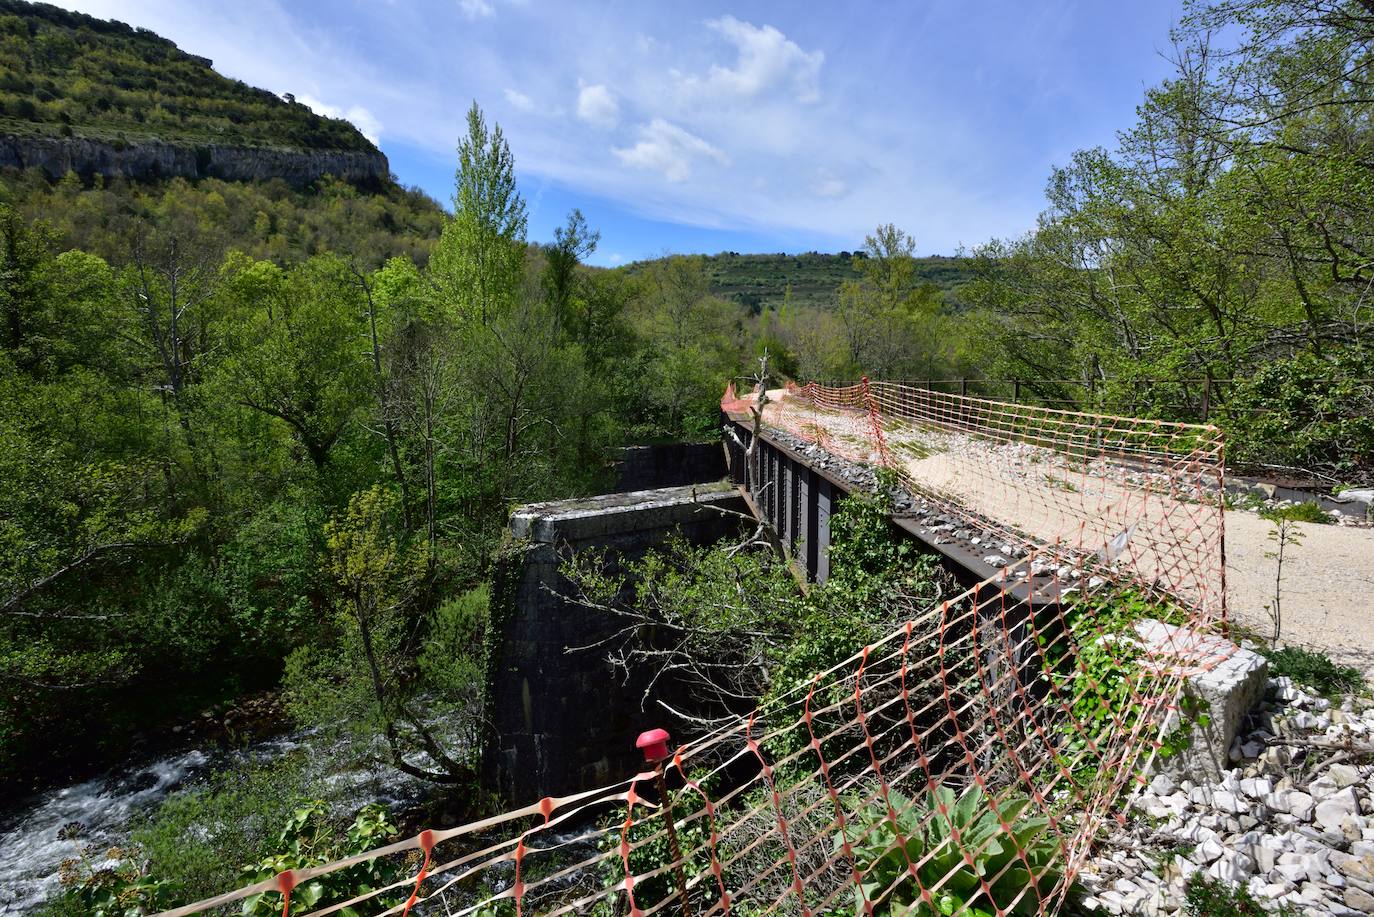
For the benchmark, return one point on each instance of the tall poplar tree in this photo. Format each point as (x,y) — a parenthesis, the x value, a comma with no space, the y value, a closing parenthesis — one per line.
(478,263)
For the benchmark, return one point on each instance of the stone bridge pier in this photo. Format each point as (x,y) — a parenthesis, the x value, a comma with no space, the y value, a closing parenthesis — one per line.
(565,719)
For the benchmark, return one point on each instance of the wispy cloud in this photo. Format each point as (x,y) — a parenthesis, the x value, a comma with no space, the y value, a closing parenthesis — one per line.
(476,9)
(597,106)
(519,100)
(766,58)
(668,149)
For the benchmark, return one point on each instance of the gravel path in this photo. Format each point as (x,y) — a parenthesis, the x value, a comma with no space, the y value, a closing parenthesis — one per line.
(1327,591)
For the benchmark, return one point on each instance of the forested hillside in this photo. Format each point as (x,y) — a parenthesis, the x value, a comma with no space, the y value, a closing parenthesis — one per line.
(809,279)
(266,219)
(67,74)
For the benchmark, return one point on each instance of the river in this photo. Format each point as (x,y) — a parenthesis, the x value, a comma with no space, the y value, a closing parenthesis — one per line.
(32,845)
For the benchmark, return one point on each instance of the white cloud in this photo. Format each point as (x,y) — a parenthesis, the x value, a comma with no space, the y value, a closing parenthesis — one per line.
(667,148)
(477,9)
(828,186)
(597,106)
(361,118)
(767,59)
(519,100)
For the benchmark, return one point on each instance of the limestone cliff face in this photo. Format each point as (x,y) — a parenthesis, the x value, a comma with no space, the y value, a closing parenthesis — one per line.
(155,159)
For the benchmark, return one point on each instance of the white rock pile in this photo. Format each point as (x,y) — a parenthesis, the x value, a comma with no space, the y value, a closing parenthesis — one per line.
(1292,819)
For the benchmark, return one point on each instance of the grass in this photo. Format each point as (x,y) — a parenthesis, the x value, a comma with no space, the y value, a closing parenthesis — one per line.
(1060,484)
(1314,670)
(911,448)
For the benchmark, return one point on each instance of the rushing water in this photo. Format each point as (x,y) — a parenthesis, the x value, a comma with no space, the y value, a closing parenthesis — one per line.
(32,846)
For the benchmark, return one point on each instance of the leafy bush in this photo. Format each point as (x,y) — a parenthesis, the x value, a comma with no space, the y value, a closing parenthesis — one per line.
(309,839)
(958,843)
(1298,512)
(103,889)
(1204,897)
(1308,411)
(1313,669)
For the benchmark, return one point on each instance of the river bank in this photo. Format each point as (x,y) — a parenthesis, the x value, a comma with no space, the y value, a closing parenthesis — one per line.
(41,830)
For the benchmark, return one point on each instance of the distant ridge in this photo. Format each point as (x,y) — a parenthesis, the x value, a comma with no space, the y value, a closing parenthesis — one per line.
(809,279)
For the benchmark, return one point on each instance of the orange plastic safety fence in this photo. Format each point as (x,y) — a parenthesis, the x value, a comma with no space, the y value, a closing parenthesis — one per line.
(1142,496)
(952,762)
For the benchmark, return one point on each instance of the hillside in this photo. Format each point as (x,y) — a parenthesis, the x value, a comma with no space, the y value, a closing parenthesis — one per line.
(762,281)
(152,134)
(95,97)
(64,74)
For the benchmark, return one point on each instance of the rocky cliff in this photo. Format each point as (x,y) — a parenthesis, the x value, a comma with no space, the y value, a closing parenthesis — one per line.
(156,159)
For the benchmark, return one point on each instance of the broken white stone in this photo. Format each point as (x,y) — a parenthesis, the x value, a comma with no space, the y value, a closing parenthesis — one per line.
(1331,810)
(1343,775)
(1294,802)
(1207,852)
(1234,867)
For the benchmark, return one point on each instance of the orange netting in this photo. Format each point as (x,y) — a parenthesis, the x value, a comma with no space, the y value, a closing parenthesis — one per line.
(961,764)
(1142,498)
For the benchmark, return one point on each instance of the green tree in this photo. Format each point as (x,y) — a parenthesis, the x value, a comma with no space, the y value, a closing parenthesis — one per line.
(365,682)
(887,315)
(479,260)
(571,246)
(298,350)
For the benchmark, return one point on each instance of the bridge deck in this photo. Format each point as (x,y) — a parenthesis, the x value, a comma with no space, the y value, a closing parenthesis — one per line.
(1086,501)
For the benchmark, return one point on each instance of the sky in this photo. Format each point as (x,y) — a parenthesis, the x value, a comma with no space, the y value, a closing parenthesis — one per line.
(706,127)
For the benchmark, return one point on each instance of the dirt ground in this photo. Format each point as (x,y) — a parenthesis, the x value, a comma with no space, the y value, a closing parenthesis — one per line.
(1327,590)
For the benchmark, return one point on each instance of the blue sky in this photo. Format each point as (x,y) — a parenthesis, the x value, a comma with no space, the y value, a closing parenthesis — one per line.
(686,127)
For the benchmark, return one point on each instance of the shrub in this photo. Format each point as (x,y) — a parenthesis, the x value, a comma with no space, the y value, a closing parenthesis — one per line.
(961,838)
(1313,669)
(1308,411)
(1204,897)
(309,839)
(99,889)
(1298,512)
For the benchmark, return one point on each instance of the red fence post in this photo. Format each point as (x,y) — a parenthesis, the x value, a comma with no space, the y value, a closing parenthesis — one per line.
(654,744)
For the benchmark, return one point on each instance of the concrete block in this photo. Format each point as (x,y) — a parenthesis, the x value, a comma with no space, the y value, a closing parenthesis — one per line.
(591,519)
(1229,679)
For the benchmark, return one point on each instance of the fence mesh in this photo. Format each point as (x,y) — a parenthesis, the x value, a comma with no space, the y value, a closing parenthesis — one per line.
(1140,499)
(961,764)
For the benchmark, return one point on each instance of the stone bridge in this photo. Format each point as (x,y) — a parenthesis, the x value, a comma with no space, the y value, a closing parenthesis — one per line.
(1128,501)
